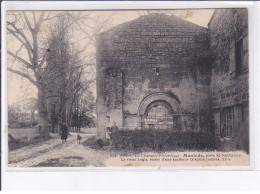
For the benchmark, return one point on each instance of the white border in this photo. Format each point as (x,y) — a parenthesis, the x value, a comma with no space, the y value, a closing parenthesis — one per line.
(9,175)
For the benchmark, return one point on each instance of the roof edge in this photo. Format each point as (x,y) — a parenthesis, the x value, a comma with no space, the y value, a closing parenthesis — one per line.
(170,17)
(213,15)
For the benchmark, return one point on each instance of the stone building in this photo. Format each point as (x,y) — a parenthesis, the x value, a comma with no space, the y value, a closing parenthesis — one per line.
(154,72)
(228,35)
(163,72)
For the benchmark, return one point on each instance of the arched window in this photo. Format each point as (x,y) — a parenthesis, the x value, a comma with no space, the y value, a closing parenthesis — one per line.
(159,115)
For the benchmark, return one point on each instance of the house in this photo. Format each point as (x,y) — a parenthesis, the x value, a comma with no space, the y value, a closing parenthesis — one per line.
(228,37)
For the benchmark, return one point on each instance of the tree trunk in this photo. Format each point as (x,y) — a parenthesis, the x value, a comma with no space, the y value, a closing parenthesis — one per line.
(32,118)
(42,112)
(53,118)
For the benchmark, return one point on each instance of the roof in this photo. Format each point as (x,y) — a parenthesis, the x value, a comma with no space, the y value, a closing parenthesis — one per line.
(213,15)
(158,21)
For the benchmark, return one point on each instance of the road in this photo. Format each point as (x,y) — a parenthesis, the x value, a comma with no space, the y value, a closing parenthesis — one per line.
(54,153)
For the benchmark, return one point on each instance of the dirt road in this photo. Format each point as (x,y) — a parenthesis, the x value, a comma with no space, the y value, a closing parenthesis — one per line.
(54,153)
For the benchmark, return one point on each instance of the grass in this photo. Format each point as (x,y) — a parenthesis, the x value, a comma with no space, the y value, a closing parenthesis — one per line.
(19,143)
(94,143)
(27,136)
(23,133)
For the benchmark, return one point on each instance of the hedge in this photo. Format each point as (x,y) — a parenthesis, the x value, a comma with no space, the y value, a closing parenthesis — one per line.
(161,140)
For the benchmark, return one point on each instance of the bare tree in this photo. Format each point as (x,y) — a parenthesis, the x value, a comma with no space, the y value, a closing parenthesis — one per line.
(29,58)
(30,106)
(66,67)
(29,61)
(26,31)
(75,70)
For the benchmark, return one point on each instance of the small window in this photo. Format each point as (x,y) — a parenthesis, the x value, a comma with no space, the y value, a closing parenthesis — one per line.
(217,122)
(239,54)
(227,122)
(157,70)
(245,55)
(244,112)
(239,60)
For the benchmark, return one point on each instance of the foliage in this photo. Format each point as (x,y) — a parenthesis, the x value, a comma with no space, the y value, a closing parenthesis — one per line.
(19,143)
(29,61)
(19,117)
(94,143)
(38,54)
(161,140)
(83,110)
(65,69)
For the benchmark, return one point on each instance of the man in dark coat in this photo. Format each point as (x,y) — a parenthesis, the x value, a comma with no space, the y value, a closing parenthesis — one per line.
(64,132)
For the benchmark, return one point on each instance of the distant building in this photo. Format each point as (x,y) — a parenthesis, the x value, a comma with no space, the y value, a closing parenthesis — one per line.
(154,72)
(228,32)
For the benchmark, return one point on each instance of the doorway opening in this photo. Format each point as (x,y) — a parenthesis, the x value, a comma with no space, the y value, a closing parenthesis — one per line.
(159,115)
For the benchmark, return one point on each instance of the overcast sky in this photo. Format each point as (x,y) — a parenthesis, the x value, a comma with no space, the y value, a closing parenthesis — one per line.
(19,88)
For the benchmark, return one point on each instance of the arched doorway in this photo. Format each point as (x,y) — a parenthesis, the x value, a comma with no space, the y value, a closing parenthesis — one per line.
(159,115)
(160,110)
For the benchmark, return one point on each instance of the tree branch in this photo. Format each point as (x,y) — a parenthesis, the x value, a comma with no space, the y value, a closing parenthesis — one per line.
(38,25)
(43,58)
(23,43)
(34,18)
(20,59)
(21,34)
(27,22)
(23,75)
(52,96)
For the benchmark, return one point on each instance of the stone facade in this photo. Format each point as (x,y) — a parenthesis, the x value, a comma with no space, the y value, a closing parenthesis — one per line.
(199,75)
(154,61)
(228,35)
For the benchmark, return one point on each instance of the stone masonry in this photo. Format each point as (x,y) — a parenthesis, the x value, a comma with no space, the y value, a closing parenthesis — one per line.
(155,60)
(228,35)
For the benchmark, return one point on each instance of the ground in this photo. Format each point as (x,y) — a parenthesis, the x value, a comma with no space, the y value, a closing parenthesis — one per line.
(24,133)
(54,153)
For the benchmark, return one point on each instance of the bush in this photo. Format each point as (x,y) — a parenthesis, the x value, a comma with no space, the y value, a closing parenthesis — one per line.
(100,143)
(94,143)
(161,140)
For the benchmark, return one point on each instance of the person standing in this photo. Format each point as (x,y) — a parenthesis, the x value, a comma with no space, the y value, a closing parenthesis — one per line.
(112,130)
(64,133)
(114,127)
(108,130)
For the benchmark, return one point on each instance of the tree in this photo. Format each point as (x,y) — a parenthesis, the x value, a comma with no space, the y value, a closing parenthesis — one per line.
(18,117)
(29,58)
(30,106)
(29,61)
(71,73)
(31,67)
(65,69)
(82,110)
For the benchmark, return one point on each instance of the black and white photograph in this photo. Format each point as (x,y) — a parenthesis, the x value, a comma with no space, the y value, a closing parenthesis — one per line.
(128,88)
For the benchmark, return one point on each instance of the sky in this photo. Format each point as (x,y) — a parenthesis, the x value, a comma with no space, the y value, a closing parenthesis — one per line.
(20,89)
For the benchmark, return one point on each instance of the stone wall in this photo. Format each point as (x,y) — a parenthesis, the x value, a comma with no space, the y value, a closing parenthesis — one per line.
(229,86)
(156,54)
